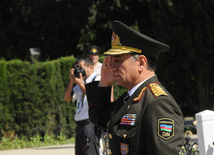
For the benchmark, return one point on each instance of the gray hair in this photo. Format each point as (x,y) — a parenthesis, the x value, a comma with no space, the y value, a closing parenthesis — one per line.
(134,57)
(152,65)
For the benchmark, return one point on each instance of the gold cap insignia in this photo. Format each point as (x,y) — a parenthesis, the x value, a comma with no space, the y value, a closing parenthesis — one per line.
(157,90)
(118,49)
(94,50)
(115,40)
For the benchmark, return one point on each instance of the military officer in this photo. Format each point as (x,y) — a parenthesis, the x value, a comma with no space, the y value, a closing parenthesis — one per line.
(146,120)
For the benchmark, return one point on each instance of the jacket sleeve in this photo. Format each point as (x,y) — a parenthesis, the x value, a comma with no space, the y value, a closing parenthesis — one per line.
(164,127)
(99,104)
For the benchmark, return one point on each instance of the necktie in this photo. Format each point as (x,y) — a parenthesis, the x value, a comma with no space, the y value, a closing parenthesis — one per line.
(126,97)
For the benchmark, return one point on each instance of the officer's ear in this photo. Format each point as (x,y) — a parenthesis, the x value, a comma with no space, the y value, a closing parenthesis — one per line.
(142,62)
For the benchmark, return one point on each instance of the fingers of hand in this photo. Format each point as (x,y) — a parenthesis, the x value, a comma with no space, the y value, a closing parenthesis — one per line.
(80,76)
(109,61)
(71,70)
(105,61)
(72,76)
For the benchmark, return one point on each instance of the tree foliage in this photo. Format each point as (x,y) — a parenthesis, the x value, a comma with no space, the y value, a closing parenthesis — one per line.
(51,25)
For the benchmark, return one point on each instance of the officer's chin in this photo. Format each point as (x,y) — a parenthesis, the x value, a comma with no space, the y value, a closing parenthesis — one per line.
(118,82)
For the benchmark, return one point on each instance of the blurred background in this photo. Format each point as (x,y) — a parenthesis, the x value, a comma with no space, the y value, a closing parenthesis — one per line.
(61,28)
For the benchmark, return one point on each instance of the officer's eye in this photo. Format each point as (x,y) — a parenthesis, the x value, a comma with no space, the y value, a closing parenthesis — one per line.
(117,61)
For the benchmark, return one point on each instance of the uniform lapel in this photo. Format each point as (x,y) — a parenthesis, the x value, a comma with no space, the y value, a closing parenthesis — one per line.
(117,116)
(126,105)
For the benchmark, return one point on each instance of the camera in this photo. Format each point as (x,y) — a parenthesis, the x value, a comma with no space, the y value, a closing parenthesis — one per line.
(79,70)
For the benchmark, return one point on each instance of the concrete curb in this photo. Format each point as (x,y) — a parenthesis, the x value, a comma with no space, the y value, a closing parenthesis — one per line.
(67,149)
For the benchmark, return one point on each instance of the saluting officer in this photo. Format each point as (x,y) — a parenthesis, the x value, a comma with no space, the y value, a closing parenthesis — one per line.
(146,120)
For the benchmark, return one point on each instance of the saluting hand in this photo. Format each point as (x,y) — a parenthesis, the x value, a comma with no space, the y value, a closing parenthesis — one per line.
(106,73)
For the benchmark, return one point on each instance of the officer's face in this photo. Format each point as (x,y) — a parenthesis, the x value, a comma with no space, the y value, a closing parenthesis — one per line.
(125,70)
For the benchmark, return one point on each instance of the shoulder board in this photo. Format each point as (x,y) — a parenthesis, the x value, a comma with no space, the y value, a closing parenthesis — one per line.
(157,90)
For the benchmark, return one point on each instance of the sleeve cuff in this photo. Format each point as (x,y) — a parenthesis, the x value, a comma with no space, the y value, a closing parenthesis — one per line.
(98,95)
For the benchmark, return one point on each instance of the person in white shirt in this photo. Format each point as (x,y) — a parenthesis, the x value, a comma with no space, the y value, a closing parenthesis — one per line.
(94,51)
(87,135)
(94,55)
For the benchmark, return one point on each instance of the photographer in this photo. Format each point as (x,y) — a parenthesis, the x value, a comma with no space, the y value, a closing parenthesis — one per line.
(87,137)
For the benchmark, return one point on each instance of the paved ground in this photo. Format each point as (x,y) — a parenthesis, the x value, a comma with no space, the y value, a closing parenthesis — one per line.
(67,149)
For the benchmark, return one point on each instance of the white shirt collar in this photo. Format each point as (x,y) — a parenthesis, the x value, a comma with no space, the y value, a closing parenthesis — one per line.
(131,91)
(91,77)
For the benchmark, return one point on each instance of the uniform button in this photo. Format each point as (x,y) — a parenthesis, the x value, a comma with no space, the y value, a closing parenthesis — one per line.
(110,136)
(110,151)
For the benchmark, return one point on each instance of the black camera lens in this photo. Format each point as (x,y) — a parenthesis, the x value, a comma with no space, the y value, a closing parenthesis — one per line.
(79,70)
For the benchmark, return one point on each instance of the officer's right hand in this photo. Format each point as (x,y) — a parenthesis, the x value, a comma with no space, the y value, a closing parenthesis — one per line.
(106,73)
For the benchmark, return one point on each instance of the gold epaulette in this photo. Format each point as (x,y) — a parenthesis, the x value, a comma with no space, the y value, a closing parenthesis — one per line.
(157,90)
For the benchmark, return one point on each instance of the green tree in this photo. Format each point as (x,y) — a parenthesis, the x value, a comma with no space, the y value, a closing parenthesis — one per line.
(186,69)
(51,25)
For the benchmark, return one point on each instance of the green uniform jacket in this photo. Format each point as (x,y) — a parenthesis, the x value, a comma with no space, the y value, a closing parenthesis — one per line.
(149,123)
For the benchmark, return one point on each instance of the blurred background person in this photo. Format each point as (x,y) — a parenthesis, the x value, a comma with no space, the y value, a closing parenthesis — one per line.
(94,55)
(94,51)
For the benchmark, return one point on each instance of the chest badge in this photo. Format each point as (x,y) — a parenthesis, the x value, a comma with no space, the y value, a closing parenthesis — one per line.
(124,148)
(166,128)
(128,119)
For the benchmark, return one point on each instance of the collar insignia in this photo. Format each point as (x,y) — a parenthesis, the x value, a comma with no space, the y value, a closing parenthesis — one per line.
(140,95)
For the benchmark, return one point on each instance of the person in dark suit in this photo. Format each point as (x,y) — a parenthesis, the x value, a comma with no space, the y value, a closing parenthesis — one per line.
(146,120)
